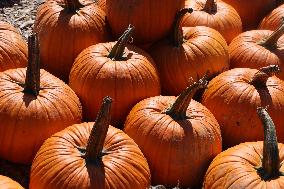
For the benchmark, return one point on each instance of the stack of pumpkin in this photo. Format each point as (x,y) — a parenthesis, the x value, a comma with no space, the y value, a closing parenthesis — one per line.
(61,92)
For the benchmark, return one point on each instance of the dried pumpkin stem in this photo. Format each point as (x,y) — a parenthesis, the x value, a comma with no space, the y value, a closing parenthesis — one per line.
(177,30)
(271,41)
(178,109)
(260,77)
(117,51)
(210,6)
(32,82)
(99,131)
(271,161)
(73,5)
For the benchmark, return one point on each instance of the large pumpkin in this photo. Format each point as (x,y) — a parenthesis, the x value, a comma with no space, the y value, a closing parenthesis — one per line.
(34,105)
(215,14)
(250,165)
(233,97)
(13,48)
(191,52)
(178,136)
(65,28)
(90,155)
(7,183)
(273,20)
(252,11)
(116,69)
(151,18)
(258,48)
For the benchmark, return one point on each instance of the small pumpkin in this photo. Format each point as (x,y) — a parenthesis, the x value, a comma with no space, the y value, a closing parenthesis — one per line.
(191,52)
(13,48)
(233,97)
(152,19)
(215,14)
(90,155)
(8,183)
(34,105)
(250,165)
(252,11)
(273,20)
(122,71)
(65,28)
(178,136)
(258,48)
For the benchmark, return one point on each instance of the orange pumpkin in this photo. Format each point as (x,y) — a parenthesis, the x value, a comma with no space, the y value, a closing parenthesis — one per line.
(233,97)
(102,4)
(65,28)
(178,136)
(7,183)
(34,105)
(215,14)
(250,165)
(273,20)
(258,48)
(191,52)
(252,11)
(116,69)
(90,155)
(152,19)
(13,48)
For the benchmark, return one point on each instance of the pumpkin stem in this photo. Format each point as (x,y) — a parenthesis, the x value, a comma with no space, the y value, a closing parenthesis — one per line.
(260,77)
(271,161)
(73,5)
(177,30)
(210,6)
(271,41)
(99,131)
(32,81)
(117,51)
(178,109)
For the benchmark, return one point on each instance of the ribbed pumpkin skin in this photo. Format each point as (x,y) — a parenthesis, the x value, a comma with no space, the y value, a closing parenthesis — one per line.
(233,102)
(235,168)
(177,151)
(13,48)
(7,183)
(26,121)
(252,11)
(225,20)
(204,50)
(102,4)
(152,19)
(273,20)
(59,163)
(245,52)
(94,76)
(63,35)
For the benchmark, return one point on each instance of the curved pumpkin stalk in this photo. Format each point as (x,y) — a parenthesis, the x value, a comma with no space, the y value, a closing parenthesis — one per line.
(260,77)
(73,5)
(210,6)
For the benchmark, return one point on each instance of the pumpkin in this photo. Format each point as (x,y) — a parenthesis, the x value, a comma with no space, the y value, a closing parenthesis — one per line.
(191,52)
(273,20)
(252,11)
(258,48)
(116,69)
(90,155)
(65,28)
(34,105)
(250,165)
(7,183)
(13,48)
(152,19)
(233,97)
(214,14)
(178,136)
(102,4)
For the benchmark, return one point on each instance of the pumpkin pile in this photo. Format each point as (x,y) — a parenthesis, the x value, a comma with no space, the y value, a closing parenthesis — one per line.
(144,94)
